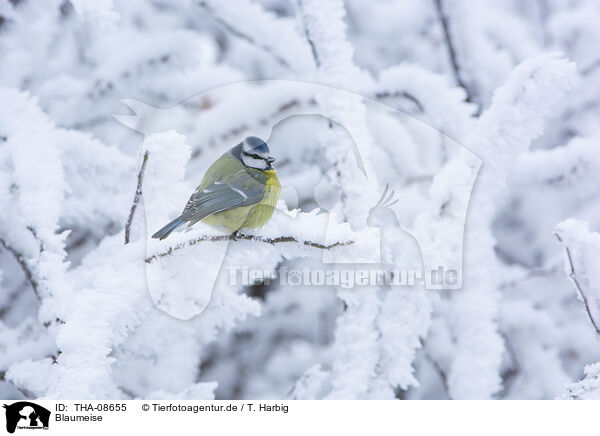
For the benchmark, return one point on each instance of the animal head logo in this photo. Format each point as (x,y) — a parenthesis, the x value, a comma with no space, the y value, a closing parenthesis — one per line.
(26,415)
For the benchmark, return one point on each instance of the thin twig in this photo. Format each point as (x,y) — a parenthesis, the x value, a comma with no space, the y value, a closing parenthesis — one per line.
(439,370)
(590,68)
(573,277)
(10,300)
(451,49)
(231,29)
(386,94)
(234,237)
(531,274)
(436,366)
(127,392)
(23,264)
(311,43)
(29,275)
(137,197)
(508,376)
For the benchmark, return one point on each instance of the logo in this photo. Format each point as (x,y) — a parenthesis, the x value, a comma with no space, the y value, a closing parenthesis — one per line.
(26,415)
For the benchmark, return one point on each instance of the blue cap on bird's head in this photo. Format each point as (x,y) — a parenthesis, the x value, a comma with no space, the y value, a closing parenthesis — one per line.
(257,145)
(255,153)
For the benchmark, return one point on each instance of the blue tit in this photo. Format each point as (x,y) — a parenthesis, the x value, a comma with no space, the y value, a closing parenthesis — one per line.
(240,189)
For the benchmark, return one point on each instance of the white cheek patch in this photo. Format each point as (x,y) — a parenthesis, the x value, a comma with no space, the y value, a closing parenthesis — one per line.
(254,163)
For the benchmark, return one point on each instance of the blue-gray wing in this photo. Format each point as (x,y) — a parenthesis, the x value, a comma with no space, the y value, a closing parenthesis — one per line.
(239,189)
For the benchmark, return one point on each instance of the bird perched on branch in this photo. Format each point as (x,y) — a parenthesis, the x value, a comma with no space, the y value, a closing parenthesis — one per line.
(240,189)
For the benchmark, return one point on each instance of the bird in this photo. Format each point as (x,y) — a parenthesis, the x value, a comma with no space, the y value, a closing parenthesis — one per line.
(239,190)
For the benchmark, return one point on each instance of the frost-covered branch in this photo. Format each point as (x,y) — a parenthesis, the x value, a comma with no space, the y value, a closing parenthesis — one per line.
(439,370)
(137,197)
(442,104)
(309,39)
(513,371)
(518,107)
(396,94)
(529,275)
(231,28)
(451,49)
(23,264)
(578,241)
(575,280)
(250,22)
(246,237)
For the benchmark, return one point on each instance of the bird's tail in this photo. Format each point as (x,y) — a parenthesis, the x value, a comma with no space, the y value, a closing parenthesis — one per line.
(168,229)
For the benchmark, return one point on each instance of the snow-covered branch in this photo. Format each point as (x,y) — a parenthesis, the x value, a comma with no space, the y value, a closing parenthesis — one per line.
(582,249)
(23,264)
(137,197)
(276,37)
(240,34)
(451,48)
(247,237)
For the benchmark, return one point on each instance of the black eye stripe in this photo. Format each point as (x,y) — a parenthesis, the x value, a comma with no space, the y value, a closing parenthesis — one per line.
(255,156)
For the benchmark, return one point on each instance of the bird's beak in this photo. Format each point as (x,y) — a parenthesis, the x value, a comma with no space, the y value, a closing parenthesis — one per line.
(270,160)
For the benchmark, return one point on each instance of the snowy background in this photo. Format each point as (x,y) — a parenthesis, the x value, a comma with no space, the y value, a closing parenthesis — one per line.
(111,111)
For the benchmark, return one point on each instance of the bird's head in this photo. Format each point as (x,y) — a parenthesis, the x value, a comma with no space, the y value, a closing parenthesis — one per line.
(255,153)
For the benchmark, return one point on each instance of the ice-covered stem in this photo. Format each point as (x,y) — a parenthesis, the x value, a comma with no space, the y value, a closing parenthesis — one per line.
(451,49)
(569,234)
(247,237)
(26,270)
(137,197)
